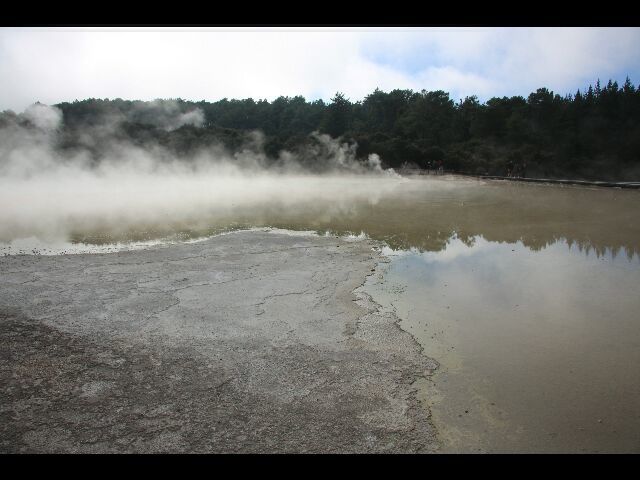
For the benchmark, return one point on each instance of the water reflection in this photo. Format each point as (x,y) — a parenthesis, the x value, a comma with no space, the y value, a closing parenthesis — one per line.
(457,248)
(424,214)
(538,347)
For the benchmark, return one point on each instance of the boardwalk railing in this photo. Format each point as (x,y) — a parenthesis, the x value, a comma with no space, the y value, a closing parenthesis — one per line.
(590,183)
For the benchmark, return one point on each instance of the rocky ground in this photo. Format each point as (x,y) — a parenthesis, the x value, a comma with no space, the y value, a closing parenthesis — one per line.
(248,342)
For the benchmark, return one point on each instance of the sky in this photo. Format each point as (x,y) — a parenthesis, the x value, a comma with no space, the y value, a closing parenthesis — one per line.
(53,65)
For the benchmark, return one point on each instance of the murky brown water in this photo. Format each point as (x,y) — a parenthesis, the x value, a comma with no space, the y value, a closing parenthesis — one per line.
(424,213)
(421,213)
(526,294)
(531,305)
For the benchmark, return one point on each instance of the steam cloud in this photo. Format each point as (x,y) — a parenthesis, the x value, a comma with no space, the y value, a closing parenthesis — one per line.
(165,114)
(50,194)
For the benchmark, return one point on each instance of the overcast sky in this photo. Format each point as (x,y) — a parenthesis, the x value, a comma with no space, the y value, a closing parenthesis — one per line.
(52,65)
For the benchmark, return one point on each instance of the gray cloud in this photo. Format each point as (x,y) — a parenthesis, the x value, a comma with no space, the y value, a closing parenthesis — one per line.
(54,65)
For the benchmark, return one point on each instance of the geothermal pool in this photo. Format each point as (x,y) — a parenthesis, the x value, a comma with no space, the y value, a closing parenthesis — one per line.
(526,295)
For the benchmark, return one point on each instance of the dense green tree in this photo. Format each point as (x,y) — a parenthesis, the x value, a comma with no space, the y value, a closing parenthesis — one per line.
(337,118)
(592,134)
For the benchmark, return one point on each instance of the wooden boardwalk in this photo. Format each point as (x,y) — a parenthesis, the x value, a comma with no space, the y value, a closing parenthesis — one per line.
(589,183)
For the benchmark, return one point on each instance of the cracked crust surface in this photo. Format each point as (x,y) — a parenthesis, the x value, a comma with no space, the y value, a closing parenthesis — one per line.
(247,342)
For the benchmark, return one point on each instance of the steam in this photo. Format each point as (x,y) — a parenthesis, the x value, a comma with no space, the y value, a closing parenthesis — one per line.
(53,194)
(44,117)
(165,114)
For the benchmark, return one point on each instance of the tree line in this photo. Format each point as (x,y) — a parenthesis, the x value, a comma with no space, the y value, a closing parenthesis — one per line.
(593,134)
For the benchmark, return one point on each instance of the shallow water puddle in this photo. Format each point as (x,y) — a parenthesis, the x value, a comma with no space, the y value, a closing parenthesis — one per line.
(539,349)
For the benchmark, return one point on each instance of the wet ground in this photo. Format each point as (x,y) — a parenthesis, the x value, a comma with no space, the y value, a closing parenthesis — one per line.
(525,294)
(247,342)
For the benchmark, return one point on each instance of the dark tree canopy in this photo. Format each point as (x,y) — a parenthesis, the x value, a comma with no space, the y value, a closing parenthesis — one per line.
(593,134)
